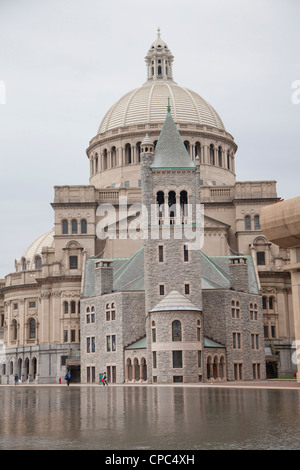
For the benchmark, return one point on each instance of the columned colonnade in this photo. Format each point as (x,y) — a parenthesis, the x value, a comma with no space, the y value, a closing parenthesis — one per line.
(110,157)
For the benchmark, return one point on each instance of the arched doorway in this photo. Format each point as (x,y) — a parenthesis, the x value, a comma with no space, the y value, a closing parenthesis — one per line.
(34,368)
(26,369)
(143,369)
(128,370)
(19,368)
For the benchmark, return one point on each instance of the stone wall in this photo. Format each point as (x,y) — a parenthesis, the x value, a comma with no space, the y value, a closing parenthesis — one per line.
(163,347)
(128,326)
(220,326)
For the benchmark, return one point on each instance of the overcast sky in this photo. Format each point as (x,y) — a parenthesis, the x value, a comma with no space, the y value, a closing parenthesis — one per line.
(65,62)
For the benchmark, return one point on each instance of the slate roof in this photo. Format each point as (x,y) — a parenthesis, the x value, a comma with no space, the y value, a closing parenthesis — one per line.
(129,274)
(170,151)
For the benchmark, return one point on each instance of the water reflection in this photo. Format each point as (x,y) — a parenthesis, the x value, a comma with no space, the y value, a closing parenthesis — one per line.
(144,417)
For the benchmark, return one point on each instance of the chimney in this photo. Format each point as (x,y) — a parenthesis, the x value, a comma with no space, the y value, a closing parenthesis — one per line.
(103,277)
(238,271)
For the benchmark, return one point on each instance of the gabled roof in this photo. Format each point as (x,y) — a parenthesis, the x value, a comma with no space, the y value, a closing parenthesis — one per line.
(170,151)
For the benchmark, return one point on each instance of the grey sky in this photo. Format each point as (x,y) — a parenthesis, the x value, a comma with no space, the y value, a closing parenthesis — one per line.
(65,62)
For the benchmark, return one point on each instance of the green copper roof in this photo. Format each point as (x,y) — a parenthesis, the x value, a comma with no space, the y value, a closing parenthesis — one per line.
(209,343)
(141,344)
(129,274)
(170,151)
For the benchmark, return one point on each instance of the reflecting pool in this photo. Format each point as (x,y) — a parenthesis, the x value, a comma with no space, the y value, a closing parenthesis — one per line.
(148,417)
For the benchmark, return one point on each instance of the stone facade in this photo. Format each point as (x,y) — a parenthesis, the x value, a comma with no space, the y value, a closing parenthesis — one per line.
(187,334)
(51,271)
(118,321)
(242,333)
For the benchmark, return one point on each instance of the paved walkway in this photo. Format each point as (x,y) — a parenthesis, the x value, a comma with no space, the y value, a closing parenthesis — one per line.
(291,384)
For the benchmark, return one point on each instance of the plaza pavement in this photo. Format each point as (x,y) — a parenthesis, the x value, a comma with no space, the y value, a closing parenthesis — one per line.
(282,384)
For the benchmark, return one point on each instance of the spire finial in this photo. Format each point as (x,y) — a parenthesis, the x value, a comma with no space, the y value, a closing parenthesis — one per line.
(158,32)
(169,106)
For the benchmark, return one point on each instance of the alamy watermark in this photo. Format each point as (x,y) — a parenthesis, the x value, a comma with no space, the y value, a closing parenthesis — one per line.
(296,94)
(136,221)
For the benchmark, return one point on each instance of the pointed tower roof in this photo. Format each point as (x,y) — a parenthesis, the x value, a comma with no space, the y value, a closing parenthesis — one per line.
(170,151)
(175,301)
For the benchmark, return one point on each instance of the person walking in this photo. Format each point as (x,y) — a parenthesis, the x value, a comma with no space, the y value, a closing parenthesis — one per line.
(16,379)
(104,379)
(68,378)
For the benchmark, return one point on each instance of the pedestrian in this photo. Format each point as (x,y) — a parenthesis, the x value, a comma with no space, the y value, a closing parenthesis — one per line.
(68,378)
(100,378)
(104,379)
(16,379)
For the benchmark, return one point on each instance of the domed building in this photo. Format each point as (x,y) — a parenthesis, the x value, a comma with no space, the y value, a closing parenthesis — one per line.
(73,275)
(114,153)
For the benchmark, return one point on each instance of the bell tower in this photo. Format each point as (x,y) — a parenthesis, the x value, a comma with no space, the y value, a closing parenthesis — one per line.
(173,296)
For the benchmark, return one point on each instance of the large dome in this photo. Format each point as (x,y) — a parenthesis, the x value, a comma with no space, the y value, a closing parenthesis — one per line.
(148,104)
(114,152)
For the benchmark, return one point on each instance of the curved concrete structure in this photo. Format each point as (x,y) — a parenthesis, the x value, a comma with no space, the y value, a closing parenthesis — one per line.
(280,223)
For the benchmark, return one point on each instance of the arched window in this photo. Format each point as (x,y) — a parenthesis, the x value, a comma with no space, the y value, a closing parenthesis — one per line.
(14,330)
(113,156)
(247,222)
(220,156)
(32,328)
(128,154)
(160,201)
(138,149)
(212,154)
(73,307)
(38,262)
(176,330)
(83,224)
(96,163)
(105,159)
(65,228)
(187,146)
(172,204)
(74,226)
(66,307)
(256,222)
(24,264)
(198,149)
(228,160)
(184,203)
